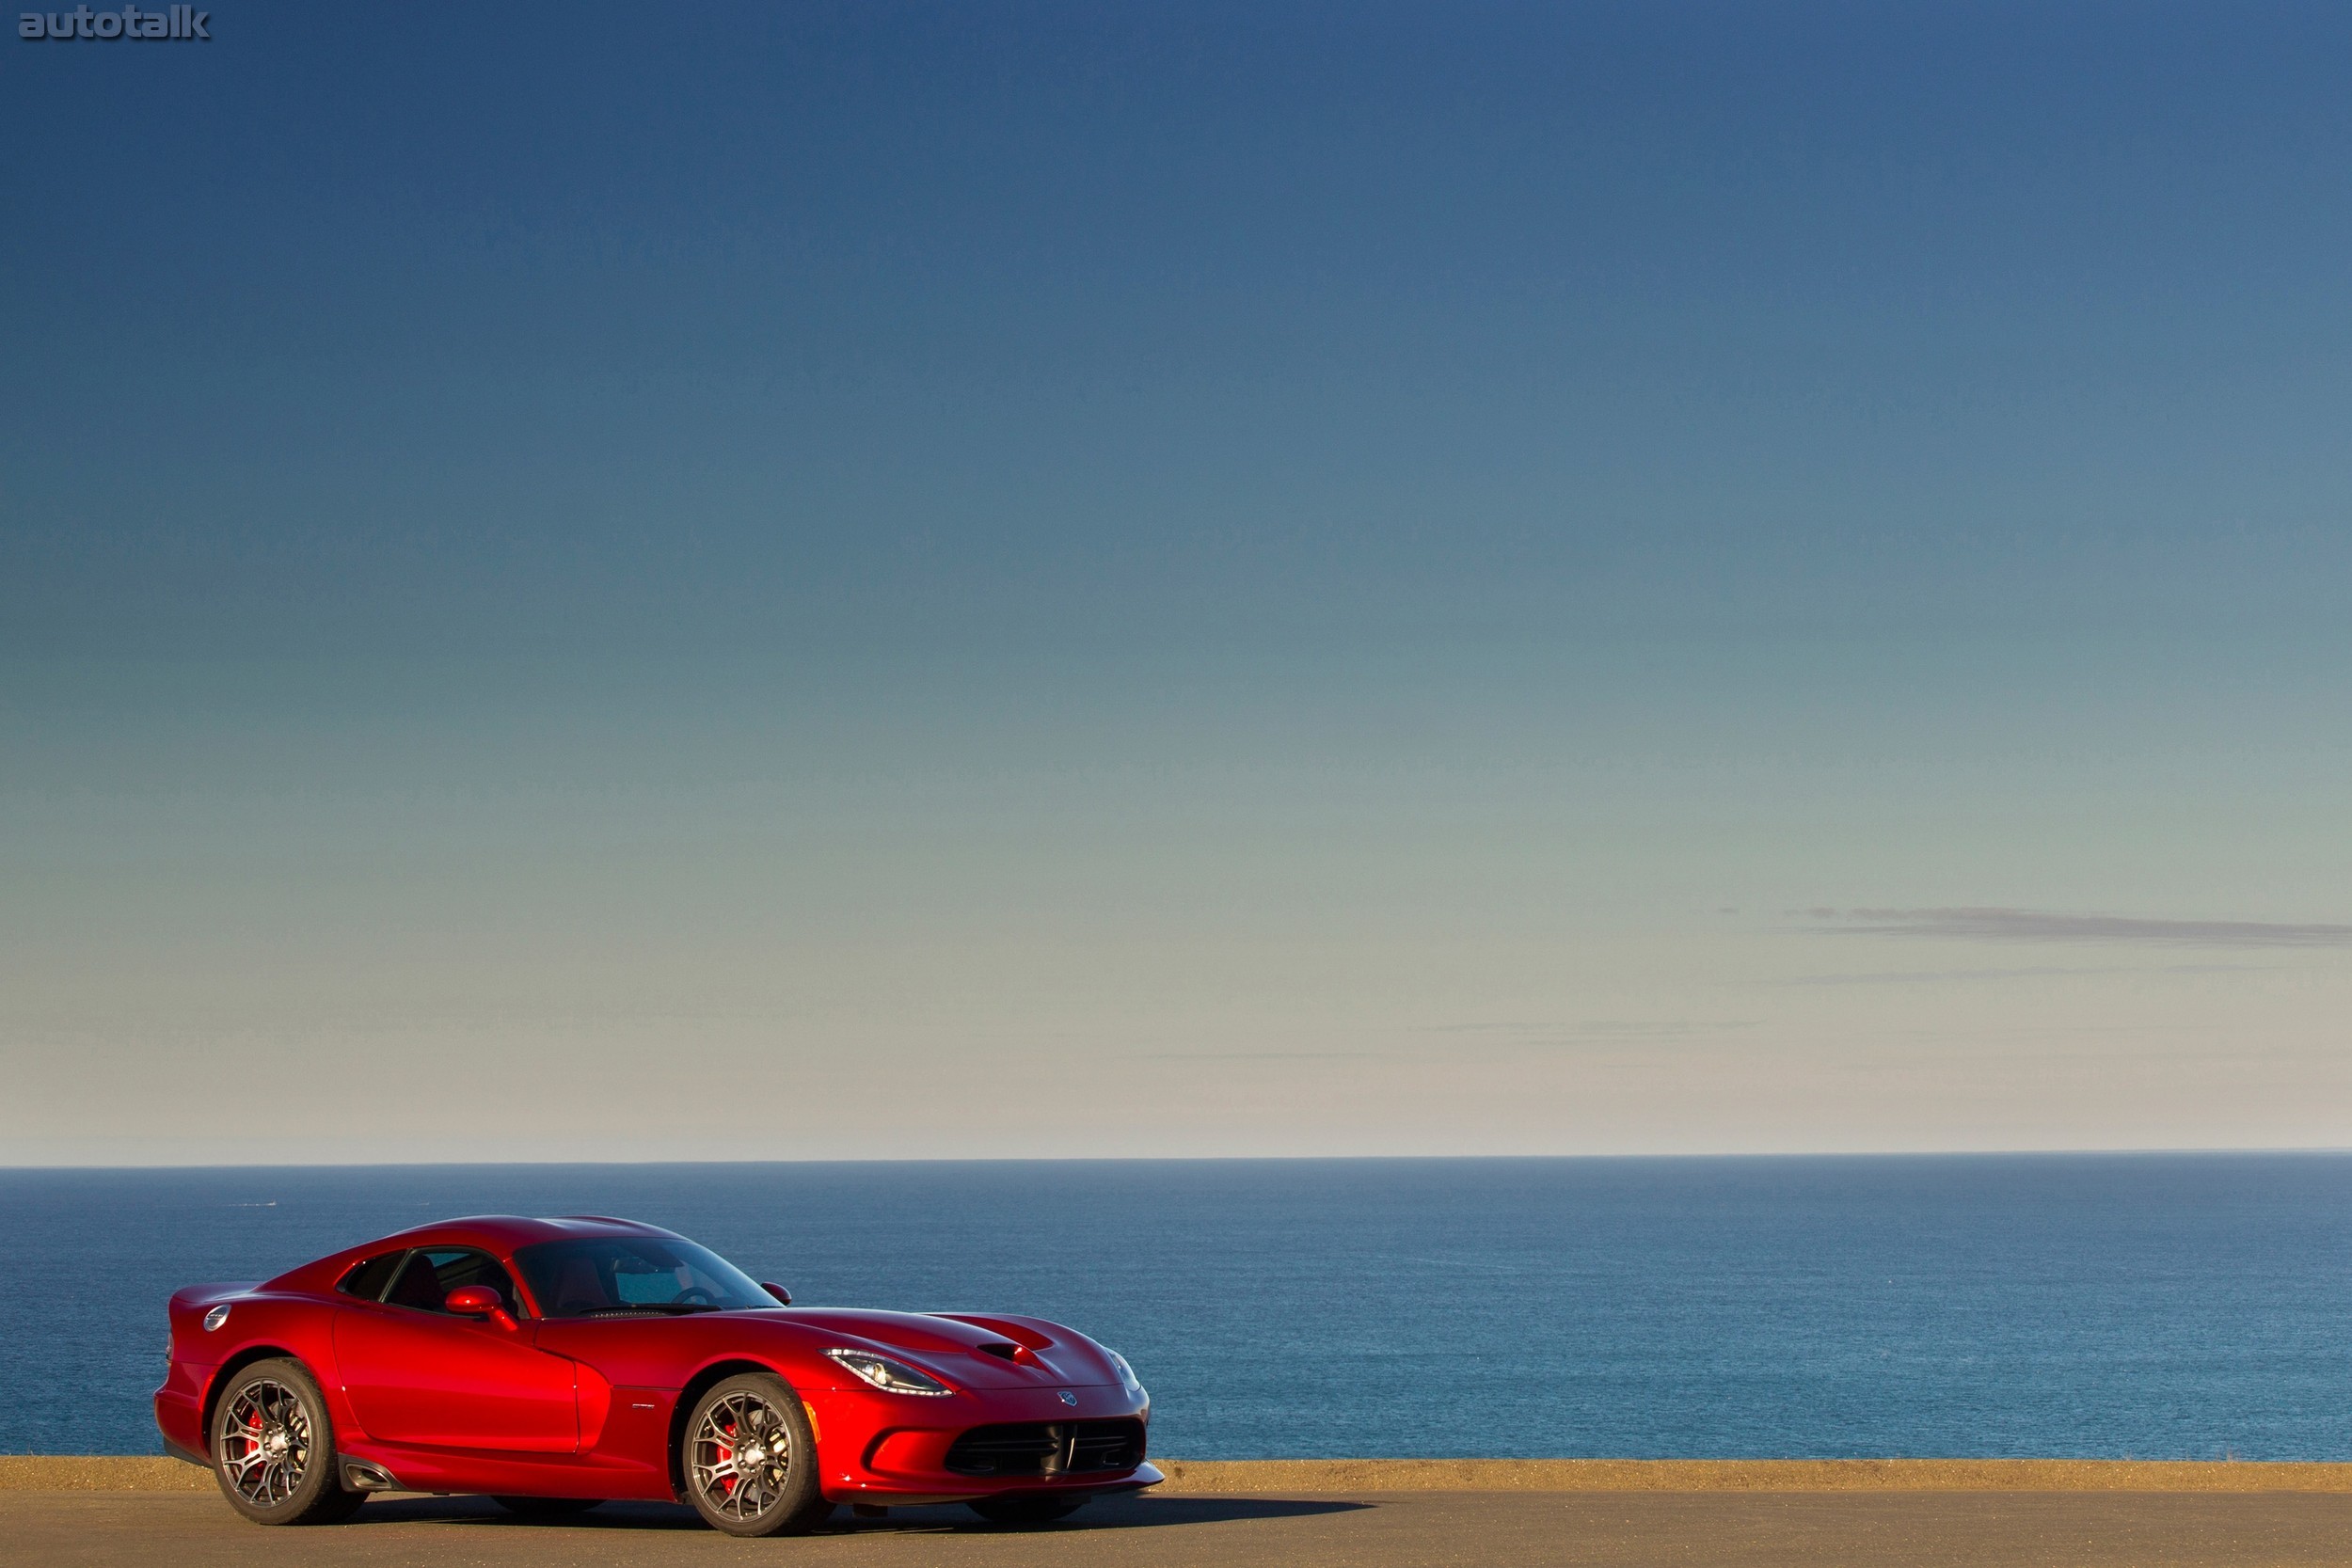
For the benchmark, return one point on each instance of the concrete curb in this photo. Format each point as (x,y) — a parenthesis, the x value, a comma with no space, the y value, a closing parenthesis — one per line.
(1747,1475)
(100,1473)
(29,1472)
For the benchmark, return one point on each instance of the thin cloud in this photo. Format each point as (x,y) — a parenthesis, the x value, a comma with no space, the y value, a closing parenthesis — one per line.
(2034,972)
(2040,925)
(1914,977)
(1252,1055)
(1595,1029)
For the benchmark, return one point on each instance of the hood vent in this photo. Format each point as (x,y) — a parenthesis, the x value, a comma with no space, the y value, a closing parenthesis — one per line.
(1001,1351)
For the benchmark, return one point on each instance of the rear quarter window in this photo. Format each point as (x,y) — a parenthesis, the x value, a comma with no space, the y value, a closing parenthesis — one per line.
(367,1280)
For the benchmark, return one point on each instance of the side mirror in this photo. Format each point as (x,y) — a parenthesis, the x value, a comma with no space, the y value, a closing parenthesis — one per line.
(784,1297)
(478,1301)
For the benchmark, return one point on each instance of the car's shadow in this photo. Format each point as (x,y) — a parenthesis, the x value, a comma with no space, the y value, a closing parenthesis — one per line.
(1104,1514)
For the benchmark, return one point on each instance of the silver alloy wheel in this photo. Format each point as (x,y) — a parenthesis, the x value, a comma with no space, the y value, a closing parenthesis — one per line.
(265,1443)
(742,1455)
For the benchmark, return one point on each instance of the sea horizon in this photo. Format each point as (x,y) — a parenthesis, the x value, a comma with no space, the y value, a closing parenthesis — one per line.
(1985,1304)
(2156,1151)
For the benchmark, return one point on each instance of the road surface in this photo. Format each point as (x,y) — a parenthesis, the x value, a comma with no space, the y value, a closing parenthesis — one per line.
(1366,1530)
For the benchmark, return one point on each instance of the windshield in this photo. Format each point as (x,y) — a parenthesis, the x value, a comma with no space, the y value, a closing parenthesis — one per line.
(608,1276)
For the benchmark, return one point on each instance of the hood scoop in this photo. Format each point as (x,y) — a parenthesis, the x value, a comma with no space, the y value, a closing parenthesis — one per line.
(1002,1350)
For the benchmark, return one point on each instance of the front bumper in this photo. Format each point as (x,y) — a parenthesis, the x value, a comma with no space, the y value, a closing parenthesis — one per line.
(887,1450)
(895,1494)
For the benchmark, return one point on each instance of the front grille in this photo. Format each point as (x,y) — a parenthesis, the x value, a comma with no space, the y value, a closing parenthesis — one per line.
(1109,1446)
(1047,1449)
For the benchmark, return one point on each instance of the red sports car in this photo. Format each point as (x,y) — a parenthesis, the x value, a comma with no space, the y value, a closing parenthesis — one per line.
(554,1364)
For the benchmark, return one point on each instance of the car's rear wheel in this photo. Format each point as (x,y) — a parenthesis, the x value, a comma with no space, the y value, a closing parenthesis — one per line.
(750,1460)
(1030,1510)
(274,1447)
(546,1508)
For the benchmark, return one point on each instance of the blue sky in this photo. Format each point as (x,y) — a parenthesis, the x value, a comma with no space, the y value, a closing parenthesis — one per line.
(1262,580)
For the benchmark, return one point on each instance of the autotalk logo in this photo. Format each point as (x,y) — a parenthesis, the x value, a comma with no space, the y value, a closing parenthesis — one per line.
(173,21)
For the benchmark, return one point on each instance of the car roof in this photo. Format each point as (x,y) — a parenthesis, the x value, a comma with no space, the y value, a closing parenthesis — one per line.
(503,1233)
(513,1231)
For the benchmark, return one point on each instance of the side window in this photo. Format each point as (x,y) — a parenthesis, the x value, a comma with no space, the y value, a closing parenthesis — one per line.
(435,1272)
(367,1280)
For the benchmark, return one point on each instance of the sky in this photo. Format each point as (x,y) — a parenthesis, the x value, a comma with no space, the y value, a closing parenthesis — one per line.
(883,581)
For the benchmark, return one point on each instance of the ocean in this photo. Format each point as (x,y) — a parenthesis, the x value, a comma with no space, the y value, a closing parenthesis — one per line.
(2083,1305)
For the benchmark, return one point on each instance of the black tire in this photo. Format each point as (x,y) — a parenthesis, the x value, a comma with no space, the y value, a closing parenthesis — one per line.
(272,1448)
(1030,1510)
(546,1508)
(779,1494)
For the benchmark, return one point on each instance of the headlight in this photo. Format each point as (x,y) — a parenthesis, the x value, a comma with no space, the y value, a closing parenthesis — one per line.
(1127,1378)
(893,1377)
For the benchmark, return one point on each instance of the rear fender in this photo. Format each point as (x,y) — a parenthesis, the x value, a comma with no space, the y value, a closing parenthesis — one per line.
(258,1327)
(226,1373)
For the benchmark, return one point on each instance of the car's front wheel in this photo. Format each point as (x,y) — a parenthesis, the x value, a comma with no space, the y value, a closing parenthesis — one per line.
(274,1447)
(751,1459)
(1030,1510)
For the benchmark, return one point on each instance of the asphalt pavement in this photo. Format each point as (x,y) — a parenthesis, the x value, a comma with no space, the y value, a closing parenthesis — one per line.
(1370,1529)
